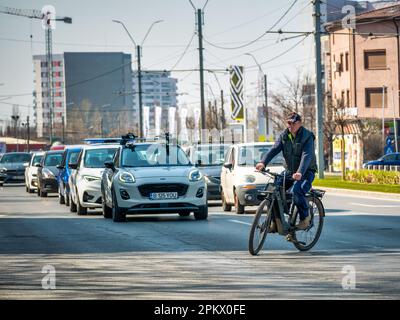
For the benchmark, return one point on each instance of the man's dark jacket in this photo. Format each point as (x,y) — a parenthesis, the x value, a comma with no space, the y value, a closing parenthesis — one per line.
(299,152)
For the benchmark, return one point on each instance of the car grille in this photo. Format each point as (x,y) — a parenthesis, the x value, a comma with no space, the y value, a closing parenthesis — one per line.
(146,189)
(15,172)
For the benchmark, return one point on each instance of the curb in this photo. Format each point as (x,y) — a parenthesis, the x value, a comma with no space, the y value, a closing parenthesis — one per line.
(349,192)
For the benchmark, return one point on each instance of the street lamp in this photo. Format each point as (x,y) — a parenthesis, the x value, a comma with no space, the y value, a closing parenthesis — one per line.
(264,76)
(138,49)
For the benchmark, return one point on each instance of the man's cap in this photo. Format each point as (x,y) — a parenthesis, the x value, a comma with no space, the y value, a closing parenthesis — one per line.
(293,117)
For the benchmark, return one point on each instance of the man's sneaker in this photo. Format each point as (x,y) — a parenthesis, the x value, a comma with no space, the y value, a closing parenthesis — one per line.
(304,224)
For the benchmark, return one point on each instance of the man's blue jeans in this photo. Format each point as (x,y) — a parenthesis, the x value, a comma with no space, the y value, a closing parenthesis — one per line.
(299,189)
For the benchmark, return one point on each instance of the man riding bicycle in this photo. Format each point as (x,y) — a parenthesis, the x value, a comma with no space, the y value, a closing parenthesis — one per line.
(297,146)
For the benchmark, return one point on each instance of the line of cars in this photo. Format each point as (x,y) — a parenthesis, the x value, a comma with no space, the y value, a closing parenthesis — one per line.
(124,176)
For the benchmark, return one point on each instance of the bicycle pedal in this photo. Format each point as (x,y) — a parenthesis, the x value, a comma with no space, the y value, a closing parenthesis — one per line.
(289,238)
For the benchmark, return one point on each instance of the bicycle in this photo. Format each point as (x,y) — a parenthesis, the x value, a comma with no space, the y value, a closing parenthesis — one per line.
(271,214)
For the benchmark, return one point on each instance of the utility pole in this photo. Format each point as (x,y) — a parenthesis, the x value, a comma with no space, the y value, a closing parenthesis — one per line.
(28,134)
(140,93)
(318,88)
(222,111)
(266,106)
(202,107)
(63,129)
(383,117)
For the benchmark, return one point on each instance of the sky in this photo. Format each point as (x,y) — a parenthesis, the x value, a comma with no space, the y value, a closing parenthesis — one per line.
(227,23)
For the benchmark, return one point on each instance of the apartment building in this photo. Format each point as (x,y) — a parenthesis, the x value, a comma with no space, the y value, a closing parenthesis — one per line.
(362,68)
(159,89)
(92,90)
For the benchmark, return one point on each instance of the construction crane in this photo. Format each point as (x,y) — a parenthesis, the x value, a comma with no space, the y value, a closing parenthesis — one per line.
(47,17)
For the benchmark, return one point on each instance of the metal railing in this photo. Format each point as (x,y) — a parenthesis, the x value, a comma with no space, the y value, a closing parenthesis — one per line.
(383,167)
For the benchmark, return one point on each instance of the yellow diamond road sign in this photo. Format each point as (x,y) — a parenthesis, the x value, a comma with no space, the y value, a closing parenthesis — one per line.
(236,80)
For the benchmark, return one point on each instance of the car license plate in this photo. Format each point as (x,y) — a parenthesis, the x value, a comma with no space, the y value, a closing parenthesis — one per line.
(163,195)
(19,177)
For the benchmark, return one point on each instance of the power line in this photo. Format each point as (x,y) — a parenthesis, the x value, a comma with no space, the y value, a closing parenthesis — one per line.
(184,52)
(258,38)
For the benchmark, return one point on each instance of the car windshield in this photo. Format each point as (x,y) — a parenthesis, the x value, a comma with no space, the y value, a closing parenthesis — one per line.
(251,155)
(73,156)
(153,155)
(211,155)
(95,158)
(37,159)
(15,158)
(53,159)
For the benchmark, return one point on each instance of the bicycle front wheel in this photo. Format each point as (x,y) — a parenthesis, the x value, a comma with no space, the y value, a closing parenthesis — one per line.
(260,226)
(306,239)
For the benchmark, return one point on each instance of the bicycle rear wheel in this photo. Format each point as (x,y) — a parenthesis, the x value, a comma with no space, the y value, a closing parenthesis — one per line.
(304,240)
(260,226)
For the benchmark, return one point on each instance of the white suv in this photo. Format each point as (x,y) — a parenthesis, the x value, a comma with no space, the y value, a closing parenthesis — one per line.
(31,169)
(84,180)
(152,178)
(240,183)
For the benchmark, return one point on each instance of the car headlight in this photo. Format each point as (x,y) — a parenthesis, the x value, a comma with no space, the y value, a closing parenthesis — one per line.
(195,175)
(47,174)
(3,170)
(249,179)
(126,177)
(90,178)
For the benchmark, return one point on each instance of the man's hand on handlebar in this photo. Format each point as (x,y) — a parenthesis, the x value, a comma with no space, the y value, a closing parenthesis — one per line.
(260,166)
(297,176)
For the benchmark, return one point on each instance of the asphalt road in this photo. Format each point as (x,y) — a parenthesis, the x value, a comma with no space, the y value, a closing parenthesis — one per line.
(169,257)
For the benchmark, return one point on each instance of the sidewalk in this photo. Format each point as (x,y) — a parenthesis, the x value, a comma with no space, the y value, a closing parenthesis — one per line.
(348,192)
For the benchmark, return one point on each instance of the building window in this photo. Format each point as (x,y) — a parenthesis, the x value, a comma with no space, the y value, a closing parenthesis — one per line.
(375,60)
(348,98)
(43,64)
(347,61)
(373,98)
(342,101)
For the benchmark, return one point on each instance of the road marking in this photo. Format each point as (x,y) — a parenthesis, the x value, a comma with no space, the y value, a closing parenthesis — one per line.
(354,213)
(362,197)
(241,222)
(374,205)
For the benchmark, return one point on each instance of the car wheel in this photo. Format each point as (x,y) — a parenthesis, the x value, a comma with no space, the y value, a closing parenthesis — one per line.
(1,184)
(118,215)
(26,188)
(81,211)
(72,206)
(67,199)
(107,212)
(202,213)
(38,192)
(31,190)
(61,199)
(43,194)
(238,207)
(226,207)
(184,214)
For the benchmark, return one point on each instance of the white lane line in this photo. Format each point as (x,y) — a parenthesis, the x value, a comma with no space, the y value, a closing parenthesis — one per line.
(374,205)
(361,197)
(241,222)
(354,213)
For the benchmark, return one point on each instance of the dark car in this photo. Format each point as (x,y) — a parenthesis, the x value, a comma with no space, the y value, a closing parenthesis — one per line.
(12,167)
(47,172)
(392,159)
(70,155)
(209,158)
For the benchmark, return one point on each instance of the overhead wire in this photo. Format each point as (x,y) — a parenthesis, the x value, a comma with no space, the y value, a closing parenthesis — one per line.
(258,38)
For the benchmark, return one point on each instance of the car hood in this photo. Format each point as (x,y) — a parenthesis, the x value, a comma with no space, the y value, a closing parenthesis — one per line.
(211,171)
(12,166)
(152,172)
(53,170)
(94,172)
(241,172)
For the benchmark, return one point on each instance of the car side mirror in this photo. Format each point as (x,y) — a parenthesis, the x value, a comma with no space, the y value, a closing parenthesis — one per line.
(38,165)
(109,165)
(60,167)
(199,162)
(228,166)
(73,165)
(26,164)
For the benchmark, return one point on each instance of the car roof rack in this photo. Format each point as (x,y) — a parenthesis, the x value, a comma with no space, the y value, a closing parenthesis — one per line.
(101,140)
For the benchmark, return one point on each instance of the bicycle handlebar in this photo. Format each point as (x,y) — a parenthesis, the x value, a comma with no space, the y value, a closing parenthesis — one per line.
(275,175)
